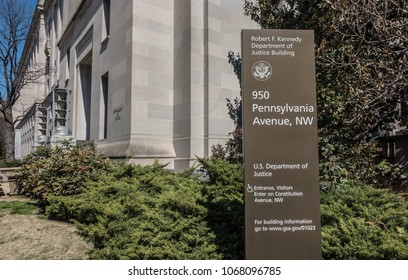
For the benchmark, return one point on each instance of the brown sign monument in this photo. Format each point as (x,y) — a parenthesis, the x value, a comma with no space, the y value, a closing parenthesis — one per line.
(282,199)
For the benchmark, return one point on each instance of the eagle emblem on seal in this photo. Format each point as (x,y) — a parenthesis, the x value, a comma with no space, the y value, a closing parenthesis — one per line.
(262,70)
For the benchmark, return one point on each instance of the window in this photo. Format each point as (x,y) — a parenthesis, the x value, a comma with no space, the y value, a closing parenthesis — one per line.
(106,18)
(61,10)
(68,60)
(67,66)
(104,106)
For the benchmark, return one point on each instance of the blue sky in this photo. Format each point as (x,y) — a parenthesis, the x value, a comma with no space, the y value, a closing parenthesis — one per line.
(31,3)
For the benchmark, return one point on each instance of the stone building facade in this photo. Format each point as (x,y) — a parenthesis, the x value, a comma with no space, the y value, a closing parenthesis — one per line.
(142,79)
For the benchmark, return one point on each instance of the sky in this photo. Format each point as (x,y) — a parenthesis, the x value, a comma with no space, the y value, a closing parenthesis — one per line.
(30,5)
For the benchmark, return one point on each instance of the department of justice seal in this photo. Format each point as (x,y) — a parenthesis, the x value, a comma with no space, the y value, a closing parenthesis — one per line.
(262,70)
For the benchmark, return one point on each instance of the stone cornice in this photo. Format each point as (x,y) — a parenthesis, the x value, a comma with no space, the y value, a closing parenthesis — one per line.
(82,8)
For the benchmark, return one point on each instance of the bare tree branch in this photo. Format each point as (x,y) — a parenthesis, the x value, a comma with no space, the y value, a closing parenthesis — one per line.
(15,20)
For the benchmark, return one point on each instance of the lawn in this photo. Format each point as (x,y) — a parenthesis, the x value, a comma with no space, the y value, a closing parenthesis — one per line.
(25,235)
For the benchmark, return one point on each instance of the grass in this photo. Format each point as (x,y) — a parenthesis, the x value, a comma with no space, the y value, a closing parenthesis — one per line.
(24,235)
(17,208)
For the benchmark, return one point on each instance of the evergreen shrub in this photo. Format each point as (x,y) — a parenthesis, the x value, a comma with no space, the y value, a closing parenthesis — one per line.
(141,213)
(225,203)
(133,212)
(362,222)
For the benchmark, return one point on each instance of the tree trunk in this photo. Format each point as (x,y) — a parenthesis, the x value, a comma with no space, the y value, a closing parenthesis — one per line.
(9,134)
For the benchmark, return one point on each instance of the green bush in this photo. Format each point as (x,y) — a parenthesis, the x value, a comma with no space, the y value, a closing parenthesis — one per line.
(14,163)
(134,212)
(141,213)
(225,203)
(361,222)
(359,162)
(358,221)
(59,170)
